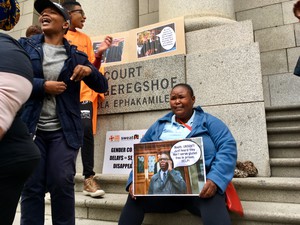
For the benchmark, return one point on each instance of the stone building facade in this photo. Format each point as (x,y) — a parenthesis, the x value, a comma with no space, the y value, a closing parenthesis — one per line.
(237,68)
(275,29)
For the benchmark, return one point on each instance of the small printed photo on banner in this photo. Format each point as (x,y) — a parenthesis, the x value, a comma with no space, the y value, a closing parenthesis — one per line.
(153,41)
(156,40)
(169,168)
(114,53)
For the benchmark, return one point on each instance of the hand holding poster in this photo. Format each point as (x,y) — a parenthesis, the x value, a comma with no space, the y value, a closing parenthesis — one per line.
(169,168)
(157,40)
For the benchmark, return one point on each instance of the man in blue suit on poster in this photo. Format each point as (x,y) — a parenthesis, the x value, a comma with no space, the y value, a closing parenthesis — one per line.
(167,180)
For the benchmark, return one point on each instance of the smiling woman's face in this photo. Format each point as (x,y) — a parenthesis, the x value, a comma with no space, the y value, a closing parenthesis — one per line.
(52,21)
(182,102)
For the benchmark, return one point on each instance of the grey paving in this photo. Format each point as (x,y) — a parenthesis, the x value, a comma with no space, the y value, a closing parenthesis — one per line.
(48,221)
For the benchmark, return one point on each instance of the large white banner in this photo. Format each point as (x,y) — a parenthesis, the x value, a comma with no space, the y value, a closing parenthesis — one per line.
(118,154)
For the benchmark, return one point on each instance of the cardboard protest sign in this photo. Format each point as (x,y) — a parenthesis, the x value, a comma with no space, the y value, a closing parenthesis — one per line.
(169,168)
(119,150)
(157,40)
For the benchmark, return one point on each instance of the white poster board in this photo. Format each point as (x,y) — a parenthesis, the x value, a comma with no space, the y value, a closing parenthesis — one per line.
(182,161)
(118,153)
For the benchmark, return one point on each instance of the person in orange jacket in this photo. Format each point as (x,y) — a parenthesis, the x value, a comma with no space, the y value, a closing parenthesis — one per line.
(88,98)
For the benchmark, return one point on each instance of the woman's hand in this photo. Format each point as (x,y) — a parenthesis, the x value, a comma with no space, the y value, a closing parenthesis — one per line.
(209,189)
(131,192)
(54,87)
(80,72)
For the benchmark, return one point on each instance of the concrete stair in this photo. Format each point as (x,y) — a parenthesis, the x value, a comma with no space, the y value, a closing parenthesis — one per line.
(274,204)
(265,200)
(283,127)
(271,200)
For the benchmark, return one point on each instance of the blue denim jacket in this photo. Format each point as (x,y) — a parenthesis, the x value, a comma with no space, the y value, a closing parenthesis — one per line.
(67,103)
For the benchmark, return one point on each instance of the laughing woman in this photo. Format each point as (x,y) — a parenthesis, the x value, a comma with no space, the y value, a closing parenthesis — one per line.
(52,115)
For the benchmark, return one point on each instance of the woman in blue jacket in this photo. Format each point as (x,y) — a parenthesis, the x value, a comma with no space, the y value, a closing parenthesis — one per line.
(52,115)
(220,156)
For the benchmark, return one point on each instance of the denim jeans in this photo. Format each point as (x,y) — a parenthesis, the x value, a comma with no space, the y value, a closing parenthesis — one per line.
(55,173)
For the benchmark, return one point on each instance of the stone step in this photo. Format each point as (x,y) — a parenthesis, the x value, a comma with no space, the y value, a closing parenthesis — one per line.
(79,221)
(292,110)
(256,213)
(269,213)
(271,189)
(284,149)
(279,118)
(283,133)
(284,144)
(285,167)
(265,189)
(283,121)
(283,130)
(266,201)
(109,207)
(283,127)
(289,123)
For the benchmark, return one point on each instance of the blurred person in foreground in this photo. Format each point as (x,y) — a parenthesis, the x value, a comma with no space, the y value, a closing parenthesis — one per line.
(220,154)
(52,115)
(18,154)
(88,98)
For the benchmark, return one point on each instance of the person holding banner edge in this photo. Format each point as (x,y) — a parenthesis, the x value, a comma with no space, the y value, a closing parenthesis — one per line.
(220,154)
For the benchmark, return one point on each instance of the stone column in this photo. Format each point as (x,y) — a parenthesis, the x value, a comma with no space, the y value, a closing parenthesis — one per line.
(198,14)
(110,16)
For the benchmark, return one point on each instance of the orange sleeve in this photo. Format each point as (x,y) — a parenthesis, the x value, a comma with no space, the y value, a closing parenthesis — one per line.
(84,44)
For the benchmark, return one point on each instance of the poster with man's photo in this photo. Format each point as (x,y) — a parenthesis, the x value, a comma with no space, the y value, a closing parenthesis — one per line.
(169,168)
(157,40)
(114,53)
